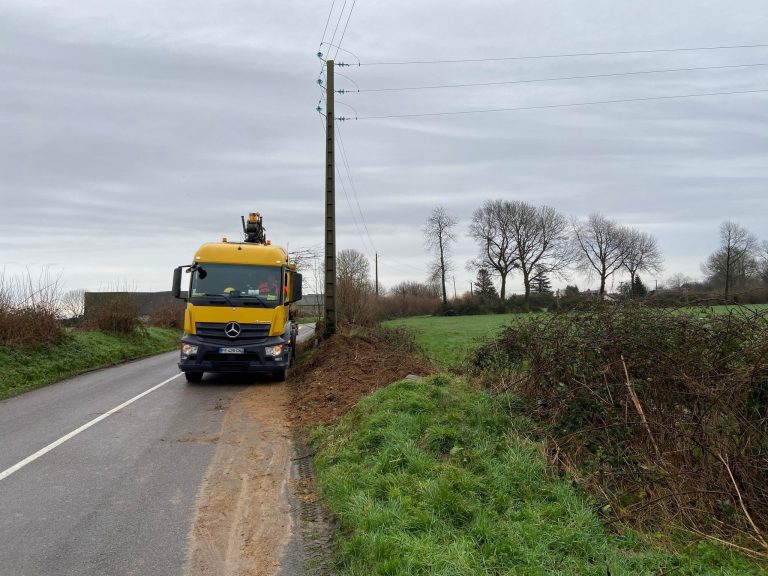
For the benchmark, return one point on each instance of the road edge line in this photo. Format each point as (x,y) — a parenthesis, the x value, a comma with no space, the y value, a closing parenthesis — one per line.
(29,459)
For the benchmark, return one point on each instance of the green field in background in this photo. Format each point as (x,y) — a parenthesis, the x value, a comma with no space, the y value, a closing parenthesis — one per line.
(450,340)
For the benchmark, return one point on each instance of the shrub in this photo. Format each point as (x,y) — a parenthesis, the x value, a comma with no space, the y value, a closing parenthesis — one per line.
(167,316)
(664,411)
(28,310)
(118,314)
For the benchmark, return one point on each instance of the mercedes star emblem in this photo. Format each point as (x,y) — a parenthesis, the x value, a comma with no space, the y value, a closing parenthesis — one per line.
(232,330)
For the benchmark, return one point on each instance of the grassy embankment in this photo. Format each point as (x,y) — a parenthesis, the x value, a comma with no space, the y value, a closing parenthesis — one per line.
(435,477)
(24,369)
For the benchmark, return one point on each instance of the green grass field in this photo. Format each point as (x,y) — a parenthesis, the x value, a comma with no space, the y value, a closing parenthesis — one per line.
(449,340)
(27,369)
(435,477)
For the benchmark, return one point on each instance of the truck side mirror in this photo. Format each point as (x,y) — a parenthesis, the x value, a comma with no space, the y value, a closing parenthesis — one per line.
(177,282)
(297,283)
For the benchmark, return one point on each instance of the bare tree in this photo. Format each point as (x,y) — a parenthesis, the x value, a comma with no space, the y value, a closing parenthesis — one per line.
(438,236)
(735,261)
(307,262)
(641,254)
(353,287)
(72,304)
(764,261)
(600,247)
(540,241)
(492,230)
(678,281)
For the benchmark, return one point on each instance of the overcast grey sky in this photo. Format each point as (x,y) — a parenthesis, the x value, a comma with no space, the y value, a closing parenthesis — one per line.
(133,131)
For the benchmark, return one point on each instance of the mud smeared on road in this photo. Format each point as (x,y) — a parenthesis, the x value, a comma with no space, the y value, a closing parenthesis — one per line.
(244,518)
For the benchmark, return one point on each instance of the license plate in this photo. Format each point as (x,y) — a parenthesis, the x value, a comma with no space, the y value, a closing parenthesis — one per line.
(231,350)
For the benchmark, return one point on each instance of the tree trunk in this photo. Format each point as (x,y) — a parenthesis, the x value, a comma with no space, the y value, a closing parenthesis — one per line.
(631,284)
(503,290)
(602,283)
(442,272)
(727,270)
(527,298)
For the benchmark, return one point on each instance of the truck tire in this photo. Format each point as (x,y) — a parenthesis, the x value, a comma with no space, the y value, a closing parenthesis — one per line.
(193,376)
(282,375)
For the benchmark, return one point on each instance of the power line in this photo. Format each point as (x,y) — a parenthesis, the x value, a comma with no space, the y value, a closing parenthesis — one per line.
(547,106)
(543,56)
(551,79)
(341,14)
(349,204)
(341,39)
(322,40)
(352,185)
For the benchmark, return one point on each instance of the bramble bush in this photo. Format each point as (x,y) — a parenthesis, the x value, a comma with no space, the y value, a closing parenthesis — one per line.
(663,414)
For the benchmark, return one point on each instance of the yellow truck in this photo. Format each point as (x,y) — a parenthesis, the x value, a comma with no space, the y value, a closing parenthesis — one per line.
(238,317)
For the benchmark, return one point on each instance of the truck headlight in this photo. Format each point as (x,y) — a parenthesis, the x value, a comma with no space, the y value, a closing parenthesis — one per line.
(274,351)
(188,349)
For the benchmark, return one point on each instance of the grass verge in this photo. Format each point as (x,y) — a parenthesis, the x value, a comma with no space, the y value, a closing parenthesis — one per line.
(434,477)
(29,368)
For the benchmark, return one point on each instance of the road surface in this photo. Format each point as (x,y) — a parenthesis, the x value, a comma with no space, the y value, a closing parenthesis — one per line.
(113,472)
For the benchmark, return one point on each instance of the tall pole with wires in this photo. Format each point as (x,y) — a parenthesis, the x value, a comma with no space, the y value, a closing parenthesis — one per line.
(330,208)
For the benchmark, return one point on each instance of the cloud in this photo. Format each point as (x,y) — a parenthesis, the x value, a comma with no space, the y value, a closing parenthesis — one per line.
(133,132)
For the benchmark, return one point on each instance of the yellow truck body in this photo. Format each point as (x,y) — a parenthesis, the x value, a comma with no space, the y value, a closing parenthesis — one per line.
(238,315)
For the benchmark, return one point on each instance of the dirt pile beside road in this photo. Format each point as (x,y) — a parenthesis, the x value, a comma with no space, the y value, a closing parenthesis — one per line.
(347,367)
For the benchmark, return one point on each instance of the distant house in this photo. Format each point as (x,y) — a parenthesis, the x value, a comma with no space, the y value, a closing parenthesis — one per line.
(311,305)
(596,294)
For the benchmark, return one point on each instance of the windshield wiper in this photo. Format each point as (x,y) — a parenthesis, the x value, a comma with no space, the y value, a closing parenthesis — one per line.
(226,298)
(247,300)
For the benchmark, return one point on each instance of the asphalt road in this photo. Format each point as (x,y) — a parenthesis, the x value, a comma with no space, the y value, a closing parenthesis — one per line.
(117,498)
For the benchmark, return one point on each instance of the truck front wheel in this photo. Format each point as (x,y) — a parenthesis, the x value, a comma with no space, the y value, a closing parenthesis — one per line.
(193,376)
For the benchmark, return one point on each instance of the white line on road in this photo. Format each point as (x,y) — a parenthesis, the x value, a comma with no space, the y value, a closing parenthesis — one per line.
(16,467)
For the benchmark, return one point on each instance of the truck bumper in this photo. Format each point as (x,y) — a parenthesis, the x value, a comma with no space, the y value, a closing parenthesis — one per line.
(211,358)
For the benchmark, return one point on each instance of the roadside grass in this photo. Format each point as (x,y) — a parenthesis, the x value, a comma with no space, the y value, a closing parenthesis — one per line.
(24,369)
(450,340)
(435,477)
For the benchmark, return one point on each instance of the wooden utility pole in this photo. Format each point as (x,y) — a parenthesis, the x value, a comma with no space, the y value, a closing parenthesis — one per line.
(376,260)
(330,208)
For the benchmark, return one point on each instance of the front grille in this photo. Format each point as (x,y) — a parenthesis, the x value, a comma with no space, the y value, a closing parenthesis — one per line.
(215,331)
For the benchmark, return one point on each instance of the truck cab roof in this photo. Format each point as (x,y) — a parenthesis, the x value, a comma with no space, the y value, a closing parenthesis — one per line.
(241,253)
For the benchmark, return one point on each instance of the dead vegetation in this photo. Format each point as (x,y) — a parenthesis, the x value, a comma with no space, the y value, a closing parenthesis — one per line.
(29,309)
(661,414)
(167,316)
(341,370)
(118,314)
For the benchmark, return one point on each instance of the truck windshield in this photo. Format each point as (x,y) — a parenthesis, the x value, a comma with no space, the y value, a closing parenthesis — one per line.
(226,284)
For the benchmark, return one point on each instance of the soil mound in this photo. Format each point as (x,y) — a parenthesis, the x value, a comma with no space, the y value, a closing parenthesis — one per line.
(346,367)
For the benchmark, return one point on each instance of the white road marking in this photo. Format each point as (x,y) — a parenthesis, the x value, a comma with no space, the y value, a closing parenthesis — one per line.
(16,467)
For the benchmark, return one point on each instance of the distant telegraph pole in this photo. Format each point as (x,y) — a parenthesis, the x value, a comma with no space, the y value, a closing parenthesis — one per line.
(330,208)
(377,274)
